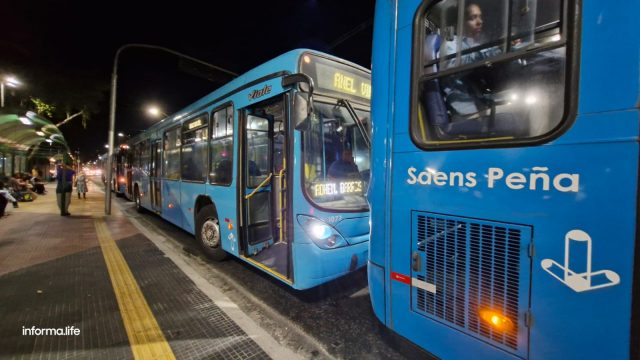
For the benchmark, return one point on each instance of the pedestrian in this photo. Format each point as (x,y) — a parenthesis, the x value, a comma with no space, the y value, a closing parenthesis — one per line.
(81,185)
(64,175)
(5,197)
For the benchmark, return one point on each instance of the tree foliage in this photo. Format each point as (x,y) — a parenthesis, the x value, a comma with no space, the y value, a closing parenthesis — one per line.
(43,108)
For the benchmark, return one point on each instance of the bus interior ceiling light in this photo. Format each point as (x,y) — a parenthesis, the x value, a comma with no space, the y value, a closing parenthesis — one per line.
(25,120)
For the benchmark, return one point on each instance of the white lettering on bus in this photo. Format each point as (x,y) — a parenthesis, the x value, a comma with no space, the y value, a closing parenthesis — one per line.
(538,180)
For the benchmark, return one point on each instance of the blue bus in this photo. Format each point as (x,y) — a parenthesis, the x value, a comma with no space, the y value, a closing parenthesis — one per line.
(272,167)
(512,126)
(121,171)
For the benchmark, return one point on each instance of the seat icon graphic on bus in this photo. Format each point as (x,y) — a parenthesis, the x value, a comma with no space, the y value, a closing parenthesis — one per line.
(576,272)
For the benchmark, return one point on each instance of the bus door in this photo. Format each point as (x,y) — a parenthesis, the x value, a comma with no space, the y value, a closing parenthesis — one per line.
(154,177)
(264,191)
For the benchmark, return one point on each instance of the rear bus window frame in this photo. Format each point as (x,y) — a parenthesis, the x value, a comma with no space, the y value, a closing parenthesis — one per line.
(569,28)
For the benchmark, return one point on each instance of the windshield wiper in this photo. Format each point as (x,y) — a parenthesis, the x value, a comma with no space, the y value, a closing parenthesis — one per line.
(356,120)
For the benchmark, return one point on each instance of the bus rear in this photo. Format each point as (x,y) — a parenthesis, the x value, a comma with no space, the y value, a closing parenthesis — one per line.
(505,177)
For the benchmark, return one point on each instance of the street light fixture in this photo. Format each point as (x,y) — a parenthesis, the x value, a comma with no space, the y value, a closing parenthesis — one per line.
(112,106)
(9,81)
(156,112)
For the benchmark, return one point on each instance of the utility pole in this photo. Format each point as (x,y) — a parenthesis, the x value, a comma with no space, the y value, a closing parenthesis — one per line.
(112,107)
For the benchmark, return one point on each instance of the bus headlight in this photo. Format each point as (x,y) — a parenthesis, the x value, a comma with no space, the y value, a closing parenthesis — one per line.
(321,233)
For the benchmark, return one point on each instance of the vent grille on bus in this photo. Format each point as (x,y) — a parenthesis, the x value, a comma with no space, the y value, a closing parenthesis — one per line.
(474,265)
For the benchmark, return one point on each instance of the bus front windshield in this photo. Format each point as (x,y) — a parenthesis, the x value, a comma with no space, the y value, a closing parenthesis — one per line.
(336,158)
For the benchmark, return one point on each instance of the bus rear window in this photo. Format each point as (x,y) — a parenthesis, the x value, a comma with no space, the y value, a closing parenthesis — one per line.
(488,71)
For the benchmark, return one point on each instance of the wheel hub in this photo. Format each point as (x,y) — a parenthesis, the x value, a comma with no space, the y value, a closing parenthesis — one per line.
(211,233)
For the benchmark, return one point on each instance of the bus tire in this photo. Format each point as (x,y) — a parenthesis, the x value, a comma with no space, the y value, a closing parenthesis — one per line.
(137,200)
(208,233)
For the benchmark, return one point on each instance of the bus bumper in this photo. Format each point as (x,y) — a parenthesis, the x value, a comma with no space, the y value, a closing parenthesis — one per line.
(375,276)
(315,266)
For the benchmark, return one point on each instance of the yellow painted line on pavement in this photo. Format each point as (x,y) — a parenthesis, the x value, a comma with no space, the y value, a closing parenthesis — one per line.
(145,336)
(267,269)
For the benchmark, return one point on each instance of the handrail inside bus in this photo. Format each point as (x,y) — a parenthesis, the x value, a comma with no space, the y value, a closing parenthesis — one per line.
(246,197)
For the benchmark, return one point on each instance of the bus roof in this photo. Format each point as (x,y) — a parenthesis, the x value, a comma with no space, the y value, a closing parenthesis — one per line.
(285,63)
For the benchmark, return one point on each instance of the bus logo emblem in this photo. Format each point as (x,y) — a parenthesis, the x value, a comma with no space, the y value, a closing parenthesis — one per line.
(259,93)
(580,278)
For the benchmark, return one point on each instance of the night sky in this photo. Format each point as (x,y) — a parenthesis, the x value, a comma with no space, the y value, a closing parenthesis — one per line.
(70,45)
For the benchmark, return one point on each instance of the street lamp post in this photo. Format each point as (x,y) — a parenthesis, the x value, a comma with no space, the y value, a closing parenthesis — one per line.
(112,106)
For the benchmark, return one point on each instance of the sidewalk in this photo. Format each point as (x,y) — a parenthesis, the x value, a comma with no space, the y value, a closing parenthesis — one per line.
(102,276)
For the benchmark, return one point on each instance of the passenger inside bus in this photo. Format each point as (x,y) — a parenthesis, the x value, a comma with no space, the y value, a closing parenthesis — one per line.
(344,167)
(463,105)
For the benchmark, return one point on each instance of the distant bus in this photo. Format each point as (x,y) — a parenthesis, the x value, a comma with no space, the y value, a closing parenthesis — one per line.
(272,168)
(121,173)
(504,189)
(102,164)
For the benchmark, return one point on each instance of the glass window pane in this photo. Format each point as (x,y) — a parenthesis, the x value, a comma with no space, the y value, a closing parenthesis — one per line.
(171,154)
(534,22)
(336,158)
(257,153)
(194,161)
(257,123)
(513,98)
(222,147)
(229,120)
(221,161)
(219,123)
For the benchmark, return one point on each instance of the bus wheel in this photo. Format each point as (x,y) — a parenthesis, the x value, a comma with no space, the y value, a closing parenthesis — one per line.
(208,234)
(136,198)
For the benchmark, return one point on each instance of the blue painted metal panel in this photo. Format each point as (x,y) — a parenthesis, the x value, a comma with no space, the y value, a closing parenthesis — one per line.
(381,115)
(376,277)
(609,58)
(224,199)
(588,200)
(171,202)
(608,217)
(189,193)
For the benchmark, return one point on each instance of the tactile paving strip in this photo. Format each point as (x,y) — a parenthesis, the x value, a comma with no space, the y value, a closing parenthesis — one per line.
(192,324)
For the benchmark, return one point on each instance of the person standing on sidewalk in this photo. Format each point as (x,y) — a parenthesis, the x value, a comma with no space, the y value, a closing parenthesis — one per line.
(5,197)
(81,185)
(64,175)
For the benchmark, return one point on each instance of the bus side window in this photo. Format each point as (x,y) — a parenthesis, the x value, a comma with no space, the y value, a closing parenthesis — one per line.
(222,147)
(507,98)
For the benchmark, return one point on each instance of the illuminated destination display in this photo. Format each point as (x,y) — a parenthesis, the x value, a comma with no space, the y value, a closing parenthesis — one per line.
(343,81)
(195,124)
(333,76)
(339,188)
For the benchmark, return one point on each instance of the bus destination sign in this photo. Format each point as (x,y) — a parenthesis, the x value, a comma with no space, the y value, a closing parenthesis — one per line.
(334,77)
(339,80)
(339,188)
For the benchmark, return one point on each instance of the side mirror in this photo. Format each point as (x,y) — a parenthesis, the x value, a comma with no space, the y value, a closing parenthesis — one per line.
(301,111)
(302,104)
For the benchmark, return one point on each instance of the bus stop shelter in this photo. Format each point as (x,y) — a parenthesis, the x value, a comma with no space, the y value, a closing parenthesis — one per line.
(28,140)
